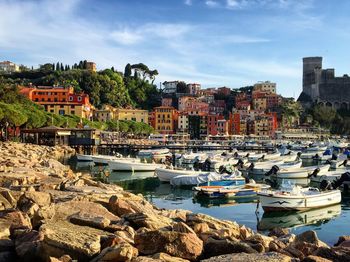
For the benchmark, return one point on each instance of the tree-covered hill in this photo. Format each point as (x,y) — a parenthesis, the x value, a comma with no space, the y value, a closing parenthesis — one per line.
(134,87)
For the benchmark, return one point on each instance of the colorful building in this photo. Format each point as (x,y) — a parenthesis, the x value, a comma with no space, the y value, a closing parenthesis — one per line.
(107,113)
(60,100)
(137,115)
(182,125)
(167,101)
(265,86)
(165,119)
(8,67)
(194,88)
(91,66)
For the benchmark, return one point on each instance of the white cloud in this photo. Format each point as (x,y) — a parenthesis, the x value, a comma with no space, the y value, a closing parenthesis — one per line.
(188,2)
(212,3)
(125,37)
(241,39)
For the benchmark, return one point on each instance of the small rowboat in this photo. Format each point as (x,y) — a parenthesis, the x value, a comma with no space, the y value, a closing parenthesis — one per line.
(234,191)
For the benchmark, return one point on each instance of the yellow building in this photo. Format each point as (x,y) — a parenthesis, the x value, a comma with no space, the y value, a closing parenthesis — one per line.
(91,66)
(164,119)
(66,109)
(137,115)
(267,87)
(107,113)
(260,103)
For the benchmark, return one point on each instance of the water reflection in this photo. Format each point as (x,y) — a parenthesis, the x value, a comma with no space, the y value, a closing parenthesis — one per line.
(290,219)
(223,202)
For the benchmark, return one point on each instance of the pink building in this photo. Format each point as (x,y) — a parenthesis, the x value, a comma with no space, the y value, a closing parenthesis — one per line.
(167,101)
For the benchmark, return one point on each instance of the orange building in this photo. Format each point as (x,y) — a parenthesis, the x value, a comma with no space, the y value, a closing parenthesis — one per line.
(60,100)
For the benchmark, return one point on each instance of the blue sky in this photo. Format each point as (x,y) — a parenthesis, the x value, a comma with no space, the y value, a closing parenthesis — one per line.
(212,42)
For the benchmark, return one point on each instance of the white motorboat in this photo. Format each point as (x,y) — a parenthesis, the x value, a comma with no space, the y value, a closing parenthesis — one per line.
(193,180)
(291,197)
(311,154)
(330,176)
(191,158)
(298,173)
(261,168)
(166,174)
(104,159)
(294,219)
(81,157)
(133,165)
(155,154)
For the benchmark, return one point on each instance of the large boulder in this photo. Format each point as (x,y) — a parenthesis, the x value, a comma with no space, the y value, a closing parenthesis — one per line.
(125,203)
(216,247)
(149,220)
(244,257)
(28,245)
(90,220)
(121,252)
(342,239)
(334,254)
(183,245)
(223,228)
(312,258)
(11,220)
(61,237)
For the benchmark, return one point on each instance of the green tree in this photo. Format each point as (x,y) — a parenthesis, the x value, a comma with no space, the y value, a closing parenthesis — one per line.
(324,115)
(127,71)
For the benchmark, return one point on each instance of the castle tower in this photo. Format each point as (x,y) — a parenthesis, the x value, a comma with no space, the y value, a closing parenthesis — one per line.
(310,78)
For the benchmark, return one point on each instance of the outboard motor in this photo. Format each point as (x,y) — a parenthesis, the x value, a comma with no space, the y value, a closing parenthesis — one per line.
(344,163)
(247,155)
(235,154)
(247,180)
(196,164)
(272,183)
(239,163)
(206,165)
(223,169)
(325,185)
(224,154)
(314,173)
(343,178)
(273,171)
(334,157)
(251,167)
(316,157)
(262,157)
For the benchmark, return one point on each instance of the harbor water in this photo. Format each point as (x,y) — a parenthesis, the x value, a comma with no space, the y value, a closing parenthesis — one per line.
(329,222)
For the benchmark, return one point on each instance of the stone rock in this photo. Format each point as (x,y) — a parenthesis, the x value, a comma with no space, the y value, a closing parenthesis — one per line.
(309,236)
(6,244)
(8,256)
(64,210)
(43,215)
(121,252)
(315,259)
(61,238)
(183,245)
(90,220)
(167,258)
(175,214)
(125,204)
(12,220)
(244,257)
(342,239)
(145,259)
(345,243)
(215,247)
(219,227)
(276,245)
(245,232)
(287,239)
(28,245)
(30,202)
(336,255)
(258,238)
(148,220)
(278,232)
(201,228)
(182,228)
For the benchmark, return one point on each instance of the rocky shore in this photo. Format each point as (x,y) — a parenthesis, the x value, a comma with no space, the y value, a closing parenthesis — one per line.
(49,213)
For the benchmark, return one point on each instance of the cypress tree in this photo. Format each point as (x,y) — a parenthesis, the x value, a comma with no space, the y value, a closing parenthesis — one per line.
(62,68)
(53,66)
(80,66)
(85,64)
(127,71)
(57,66)
(112,68)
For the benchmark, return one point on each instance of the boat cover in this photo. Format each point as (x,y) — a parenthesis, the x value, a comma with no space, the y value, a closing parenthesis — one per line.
(192,180)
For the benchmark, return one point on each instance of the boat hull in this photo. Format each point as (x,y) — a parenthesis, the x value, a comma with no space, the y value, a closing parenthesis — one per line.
(86,158)
(116,165)
(271,202)
(165,175)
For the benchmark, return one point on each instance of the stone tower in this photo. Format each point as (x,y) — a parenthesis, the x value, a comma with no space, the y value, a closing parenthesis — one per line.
(311,68)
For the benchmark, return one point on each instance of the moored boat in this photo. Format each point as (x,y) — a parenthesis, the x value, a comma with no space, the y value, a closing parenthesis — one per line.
(296,198)
(301,172)
(133,165)
(228,189)
(166,174)
(81,157)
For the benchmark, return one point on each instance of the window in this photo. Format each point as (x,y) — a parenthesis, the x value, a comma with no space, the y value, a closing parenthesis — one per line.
(55,99)
(72,106)
(61,112)
(79,98)
(70,98)
(36,99)
(51,110)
